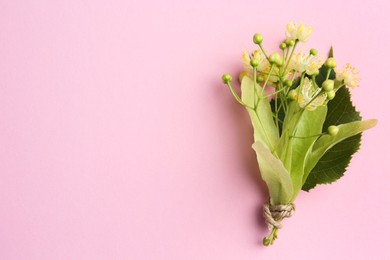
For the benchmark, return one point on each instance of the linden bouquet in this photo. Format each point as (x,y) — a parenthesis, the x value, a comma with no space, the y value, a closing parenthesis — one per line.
(306,130)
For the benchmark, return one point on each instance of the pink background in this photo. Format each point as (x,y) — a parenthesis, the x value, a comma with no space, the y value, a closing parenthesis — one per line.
(118,140)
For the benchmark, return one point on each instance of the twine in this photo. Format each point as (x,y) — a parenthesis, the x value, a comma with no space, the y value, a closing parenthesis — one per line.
(274,214)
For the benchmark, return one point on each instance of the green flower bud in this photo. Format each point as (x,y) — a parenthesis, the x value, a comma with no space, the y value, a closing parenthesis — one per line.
(328,85)
(313,52)
(254,62)
(274,58)
(259,79)
(290,43)
(267,241)
(315,72)
(283,46)
(226,78)
(279,62)
(330,63)
(293,94)
(288,83)
(333,130)
(257,38)
(331,94)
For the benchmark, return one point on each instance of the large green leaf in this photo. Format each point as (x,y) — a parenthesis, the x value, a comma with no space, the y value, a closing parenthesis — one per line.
(274,174)
(262,120)
(332,165)
(325,143)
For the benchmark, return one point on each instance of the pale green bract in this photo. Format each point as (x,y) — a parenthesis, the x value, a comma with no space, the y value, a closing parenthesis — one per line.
(262,119)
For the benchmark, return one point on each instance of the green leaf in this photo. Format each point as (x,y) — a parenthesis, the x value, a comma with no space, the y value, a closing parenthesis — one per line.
(341,110)
(330,167)
(330,55)
(324,144)
(333,163)
(274,174)
(262,119)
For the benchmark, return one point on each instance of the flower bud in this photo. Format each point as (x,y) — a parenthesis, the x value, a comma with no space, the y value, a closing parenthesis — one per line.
(313,52)
(274,58)
(279,62)
(259,79)
(333,130)
(254,62)
(331,94)
(315,72)
(226,78)
(288,83)
(330,63)
(257,38)
(293,94)
(283,46)
(290,43)
(328,85)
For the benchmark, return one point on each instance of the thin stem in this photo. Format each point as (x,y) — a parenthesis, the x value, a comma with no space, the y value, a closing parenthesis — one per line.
(303,137)
(294,75)
(328,73)
(339,87)
(262,49)
(264,131)
(266,81)
(319,93)
(291,54)
(313,78)
(276,92)
(238,99)
(254,87)
(269,240)
(276,109)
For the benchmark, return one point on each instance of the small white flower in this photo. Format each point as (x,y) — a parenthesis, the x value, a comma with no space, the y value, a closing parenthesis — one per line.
(301,62)
(314,64)
(349,76)
(298,62)
(246,59)
(299,32)
(307,93)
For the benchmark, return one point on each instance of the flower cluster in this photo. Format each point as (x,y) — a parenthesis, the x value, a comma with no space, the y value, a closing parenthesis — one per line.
(281,70)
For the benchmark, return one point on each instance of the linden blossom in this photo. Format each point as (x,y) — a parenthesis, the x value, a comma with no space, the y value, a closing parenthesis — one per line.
(289,139)
(349,76)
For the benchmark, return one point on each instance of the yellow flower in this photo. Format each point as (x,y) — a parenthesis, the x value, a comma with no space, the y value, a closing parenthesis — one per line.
(349,76)
(246,59)
(299,32)
(301,62)
(307,93)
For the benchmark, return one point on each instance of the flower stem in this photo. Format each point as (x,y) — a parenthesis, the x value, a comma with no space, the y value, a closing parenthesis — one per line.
(238,99)
(269,240)
(291,54)
(262,49)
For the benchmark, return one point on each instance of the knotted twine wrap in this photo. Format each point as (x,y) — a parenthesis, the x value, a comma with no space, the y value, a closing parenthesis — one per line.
(274,214)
